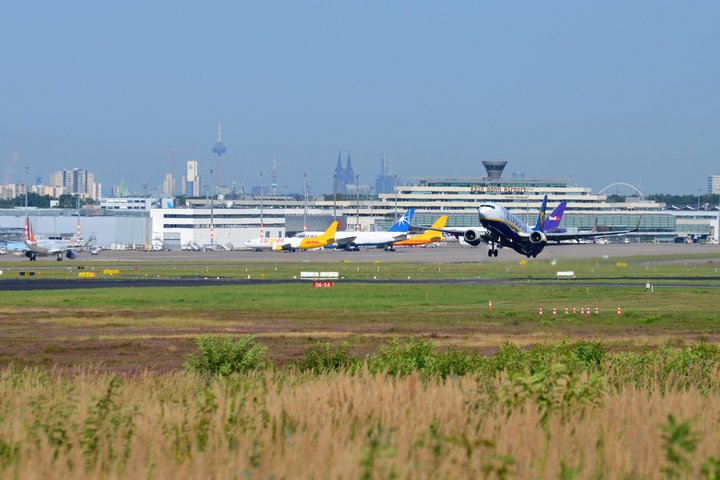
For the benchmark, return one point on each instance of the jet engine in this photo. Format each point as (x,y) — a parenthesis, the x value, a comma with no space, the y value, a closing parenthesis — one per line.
(70,254)
(472,237)
(537,237)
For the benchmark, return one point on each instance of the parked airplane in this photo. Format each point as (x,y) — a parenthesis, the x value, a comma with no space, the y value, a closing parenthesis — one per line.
(354,240)
(552,222)
(260,243)
(306,243)
(431,235)
(502,228)
(45,246)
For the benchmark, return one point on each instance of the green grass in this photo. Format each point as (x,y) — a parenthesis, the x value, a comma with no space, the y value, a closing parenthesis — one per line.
(700,265)
(402,302)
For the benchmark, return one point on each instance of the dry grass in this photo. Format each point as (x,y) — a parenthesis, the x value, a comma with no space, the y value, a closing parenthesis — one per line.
(288,425)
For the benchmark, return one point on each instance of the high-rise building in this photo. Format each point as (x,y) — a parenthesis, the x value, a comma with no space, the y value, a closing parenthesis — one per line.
(77,181)
(168,186)
(385,181)
(192,179)
(714,184)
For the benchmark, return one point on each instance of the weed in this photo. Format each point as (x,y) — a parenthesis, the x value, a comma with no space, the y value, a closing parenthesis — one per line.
(221,355)
(322,358)
(678,441)
(107,423)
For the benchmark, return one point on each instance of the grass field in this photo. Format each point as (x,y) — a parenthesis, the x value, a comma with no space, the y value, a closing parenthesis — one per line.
(652,267)
(93,386)
(155,327)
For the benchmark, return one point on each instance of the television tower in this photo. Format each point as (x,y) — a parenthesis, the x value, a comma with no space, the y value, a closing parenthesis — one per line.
(274,183)
(219,149)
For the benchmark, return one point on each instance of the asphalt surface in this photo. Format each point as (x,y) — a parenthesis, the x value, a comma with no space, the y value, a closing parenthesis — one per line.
(452,253)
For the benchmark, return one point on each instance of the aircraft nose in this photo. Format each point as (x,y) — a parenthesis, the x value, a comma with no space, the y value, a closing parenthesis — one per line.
(483,213)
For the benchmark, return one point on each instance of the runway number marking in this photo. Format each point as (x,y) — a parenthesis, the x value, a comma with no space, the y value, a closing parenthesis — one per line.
(327,284)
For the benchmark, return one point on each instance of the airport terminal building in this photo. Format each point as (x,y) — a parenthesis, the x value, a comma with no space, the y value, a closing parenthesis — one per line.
(140,223)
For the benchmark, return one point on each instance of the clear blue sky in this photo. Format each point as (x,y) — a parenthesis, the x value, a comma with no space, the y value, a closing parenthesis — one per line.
(596,91)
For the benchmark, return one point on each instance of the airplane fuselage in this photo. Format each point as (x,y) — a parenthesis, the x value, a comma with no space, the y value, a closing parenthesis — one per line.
(506,229)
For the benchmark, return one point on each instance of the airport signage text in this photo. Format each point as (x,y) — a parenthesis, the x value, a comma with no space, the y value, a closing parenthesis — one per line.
(497,189)
(326,284)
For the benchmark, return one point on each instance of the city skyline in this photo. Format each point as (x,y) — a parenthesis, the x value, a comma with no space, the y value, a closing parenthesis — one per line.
(597,93)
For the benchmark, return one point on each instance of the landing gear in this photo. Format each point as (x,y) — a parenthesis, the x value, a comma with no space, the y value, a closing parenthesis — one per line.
(492,251)
(59,257)
(33,257)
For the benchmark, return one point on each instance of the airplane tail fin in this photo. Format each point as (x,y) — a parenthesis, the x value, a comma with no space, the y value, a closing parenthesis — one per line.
(553,220)
(29,235)
(403,223)
(540,224)
(439,224)
(330,232)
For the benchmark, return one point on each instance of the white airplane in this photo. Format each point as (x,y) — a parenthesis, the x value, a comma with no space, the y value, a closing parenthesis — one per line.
(261,243)
(552,225)
(45,246)
(502,228)
(295,243)
(354,240)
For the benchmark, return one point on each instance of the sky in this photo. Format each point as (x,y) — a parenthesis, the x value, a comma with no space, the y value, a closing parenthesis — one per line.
(597,92)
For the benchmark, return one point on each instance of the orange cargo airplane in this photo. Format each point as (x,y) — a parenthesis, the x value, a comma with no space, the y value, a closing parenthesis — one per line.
(297,243)
(434,234)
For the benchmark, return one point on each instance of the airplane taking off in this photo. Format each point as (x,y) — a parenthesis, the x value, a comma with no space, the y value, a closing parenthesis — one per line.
(306,243)
(504,229)
(431,235)
(552,225)
(45,246)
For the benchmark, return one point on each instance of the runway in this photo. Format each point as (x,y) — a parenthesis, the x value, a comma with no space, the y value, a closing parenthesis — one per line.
(452,253)
(622,282)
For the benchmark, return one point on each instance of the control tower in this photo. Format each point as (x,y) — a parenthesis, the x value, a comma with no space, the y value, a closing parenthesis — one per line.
(494,169)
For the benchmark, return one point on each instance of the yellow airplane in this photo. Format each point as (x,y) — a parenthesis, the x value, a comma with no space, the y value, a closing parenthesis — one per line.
(297,243)
(434,234)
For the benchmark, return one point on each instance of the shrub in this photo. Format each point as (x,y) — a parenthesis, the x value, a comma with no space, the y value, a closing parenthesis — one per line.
(458,362)
(403,358)
(221,355)
(322,358)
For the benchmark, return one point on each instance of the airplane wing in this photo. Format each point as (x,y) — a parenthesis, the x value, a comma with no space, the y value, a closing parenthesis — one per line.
(564,236)
(455,231)
(345,240)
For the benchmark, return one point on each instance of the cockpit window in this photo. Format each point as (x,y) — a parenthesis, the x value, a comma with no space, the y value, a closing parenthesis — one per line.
(488,205)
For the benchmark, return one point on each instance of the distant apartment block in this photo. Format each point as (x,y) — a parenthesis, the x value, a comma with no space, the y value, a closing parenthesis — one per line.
(714,185)
(77,182)
(11,190)
(168,186)
(191,181)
